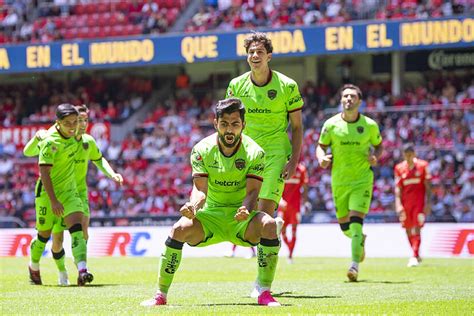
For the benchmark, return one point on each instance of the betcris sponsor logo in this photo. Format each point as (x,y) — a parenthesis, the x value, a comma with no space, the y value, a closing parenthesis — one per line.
(258,111)
(226,183)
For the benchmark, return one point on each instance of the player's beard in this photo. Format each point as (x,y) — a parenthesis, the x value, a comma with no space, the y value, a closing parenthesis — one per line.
(224,142)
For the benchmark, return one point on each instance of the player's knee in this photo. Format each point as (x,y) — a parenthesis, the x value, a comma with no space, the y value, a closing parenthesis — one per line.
(269,226)
(356,219)
(181,230)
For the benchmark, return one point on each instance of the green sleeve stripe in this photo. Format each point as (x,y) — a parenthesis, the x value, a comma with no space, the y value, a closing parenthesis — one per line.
(46,164)
(254,177)
(324,144)
(294,110)
(200,175)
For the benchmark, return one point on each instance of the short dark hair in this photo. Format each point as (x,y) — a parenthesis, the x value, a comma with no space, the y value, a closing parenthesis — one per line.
(258,37)
(229,106)
(409,147)
(82,109)
(350,86)
(64,110)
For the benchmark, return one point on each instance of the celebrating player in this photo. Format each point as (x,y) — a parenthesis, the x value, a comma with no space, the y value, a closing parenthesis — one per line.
(350,136)
(412,197)
(87,150)
(227,175)
(290,205)
(57,198)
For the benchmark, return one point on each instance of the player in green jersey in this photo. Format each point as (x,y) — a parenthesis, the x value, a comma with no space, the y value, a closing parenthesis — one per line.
(57,198)
(351,136)
(88,151)
(227,175)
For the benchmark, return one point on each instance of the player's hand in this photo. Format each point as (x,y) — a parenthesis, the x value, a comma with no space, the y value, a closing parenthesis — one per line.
(427,209)
(57,207)
(242,214)
(290,169)
(372,160)
(188,210)
(41,134)
(325,161)
(402,216)
(118,178)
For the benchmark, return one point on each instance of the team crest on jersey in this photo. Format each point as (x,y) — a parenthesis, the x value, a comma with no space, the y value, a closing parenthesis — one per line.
(41,220)
(360,129)
(85,146)
(272,94)
(240,164)
(230,93)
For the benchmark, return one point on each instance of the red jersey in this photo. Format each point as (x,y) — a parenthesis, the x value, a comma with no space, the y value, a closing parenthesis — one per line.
(292,192)
(412,184)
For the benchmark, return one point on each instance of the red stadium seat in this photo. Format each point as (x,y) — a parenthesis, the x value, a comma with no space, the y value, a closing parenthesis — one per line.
(103,7)
(79,9)
(91,8)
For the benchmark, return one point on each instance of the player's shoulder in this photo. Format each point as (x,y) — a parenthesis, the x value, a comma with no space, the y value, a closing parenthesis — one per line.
(251,147)
(399,166)
(206,144)
(367,120)
(283,78)
(334,120)
(87,138)
(238,79)
(422,163)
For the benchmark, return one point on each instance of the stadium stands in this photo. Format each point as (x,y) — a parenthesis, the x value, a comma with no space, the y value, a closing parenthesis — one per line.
(154,159)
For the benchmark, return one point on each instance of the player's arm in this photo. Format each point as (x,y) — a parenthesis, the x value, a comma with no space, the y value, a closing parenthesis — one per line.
(254,184)
(197,198)
(428,193)
(398,199)
(56,206)
(376,141)
(375,155)
(31,148)
(324,159)
(296,122)
(103,165)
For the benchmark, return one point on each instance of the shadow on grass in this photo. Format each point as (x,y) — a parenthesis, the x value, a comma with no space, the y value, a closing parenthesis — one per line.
(236,304)
(291,295)
(88,285)
(380,282)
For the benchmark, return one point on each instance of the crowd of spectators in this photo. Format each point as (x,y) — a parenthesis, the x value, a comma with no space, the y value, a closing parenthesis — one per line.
(226,15)
(51,20)
(109,99)
(155,165)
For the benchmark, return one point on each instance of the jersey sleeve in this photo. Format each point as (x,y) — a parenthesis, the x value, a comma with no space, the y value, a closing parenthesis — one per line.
(375,137)
(304,176)
(197,163)
(325,136)
(257,166)
(426,171)
(396,172)
(31,149)
(95,153)
(47,152)
(230,92)
(295,101)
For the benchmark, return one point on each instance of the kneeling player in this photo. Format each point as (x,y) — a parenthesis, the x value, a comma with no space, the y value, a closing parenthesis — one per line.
(227,176)
(412,198)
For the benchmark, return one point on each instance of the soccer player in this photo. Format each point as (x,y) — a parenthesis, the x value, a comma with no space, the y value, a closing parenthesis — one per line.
(227,175)
(88,151)
(290,205)
(351,136)
(272,99)
(412,198)
(57,198)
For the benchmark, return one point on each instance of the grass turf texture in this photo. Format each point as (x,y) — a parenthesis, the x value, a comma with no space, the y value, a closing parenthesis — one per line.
(221,285)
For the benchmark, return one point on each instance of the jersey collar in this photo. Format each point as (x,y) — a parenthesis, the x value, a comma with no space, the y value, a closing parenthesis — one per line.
(236,148)
(270,75)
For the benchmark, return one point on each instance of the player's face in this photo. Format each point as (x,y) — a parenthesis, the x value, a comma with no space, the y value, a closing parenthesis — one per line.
(83,122)
(257,56)
(229,128)
(409,156)
(350,100)
(68,125)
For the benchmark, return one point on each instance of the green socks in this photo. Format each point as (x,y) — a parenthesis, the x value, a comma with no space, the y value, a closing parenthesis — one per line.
(267,258)
(78,243)
(59,260)
(37,248)
(169,263)
(357,237)
(345,227)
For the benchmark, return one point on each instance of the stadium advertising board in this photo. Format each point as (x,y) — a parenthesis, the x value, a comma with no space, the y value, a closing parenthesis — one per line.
(20,135)
(384,240)
(357,37)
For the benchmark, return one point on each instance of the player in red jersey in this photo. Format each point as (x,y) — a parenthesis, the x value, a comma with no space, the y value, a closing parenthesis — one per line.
(412,197)
(295,188)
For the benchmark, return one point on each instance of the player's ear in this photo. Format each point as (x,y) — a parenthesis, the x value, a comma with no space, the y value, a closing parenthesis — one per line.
(243,125)
(215,124)
(269,57)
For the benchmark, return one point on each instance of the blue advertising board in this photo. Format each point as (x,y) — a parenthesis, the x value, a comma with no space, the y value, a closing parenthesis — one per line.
(356,37)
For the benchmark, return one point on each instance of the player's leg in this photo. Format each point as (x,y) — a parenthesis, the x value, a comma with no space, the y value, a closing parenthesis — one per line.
(185,230)
(45,220)
(262,229)
(293,239)
(57,250)
(86,216)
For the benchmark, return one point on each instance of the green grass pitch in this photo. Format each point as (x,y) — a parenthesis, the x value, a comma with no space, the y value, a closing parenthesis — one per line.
(206,286)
